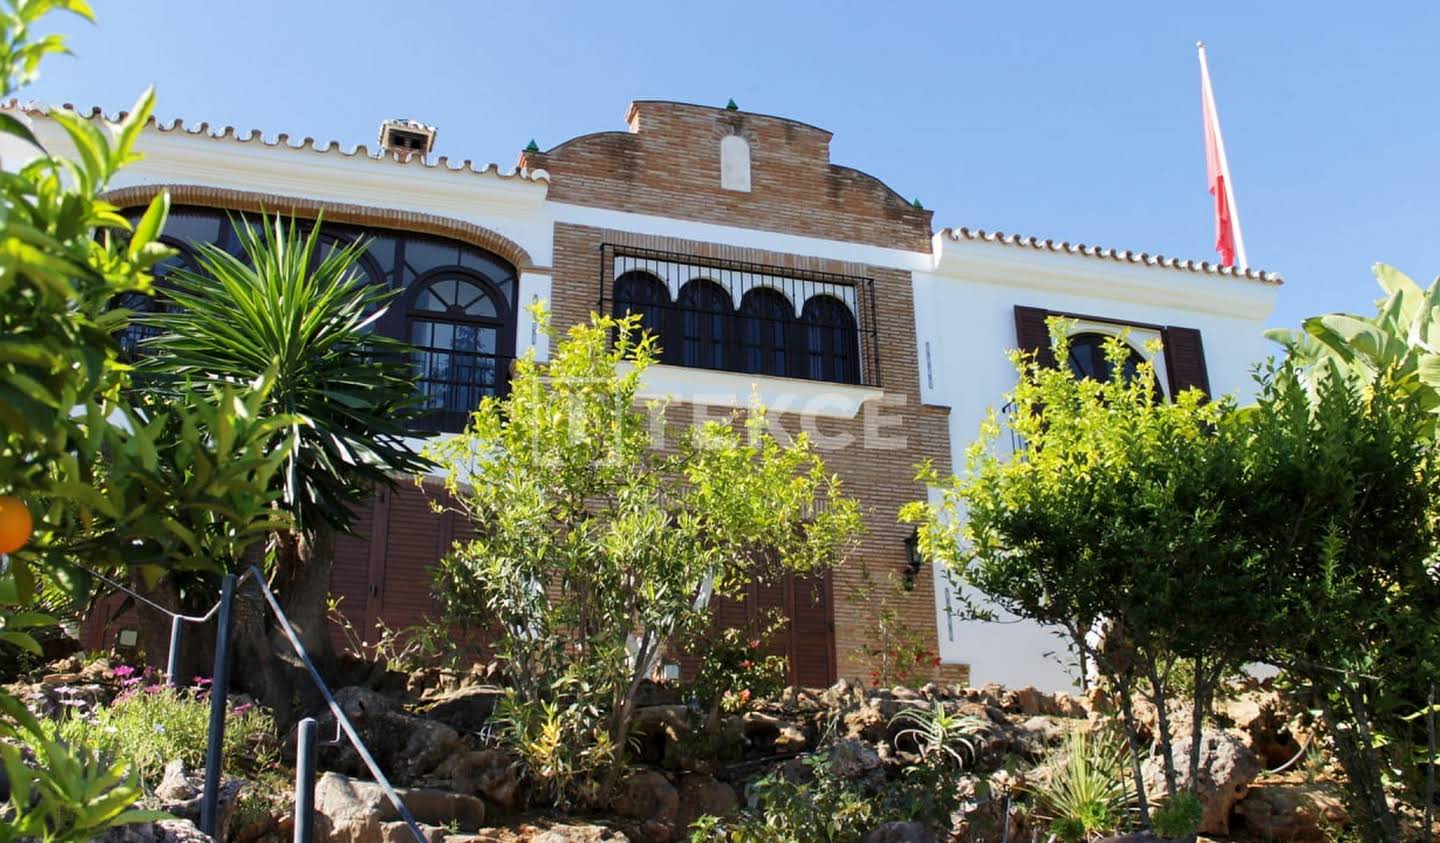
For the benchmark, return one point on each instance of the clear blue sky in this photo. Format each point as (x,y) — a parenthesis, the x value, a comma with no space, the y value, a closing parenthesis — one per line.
(1073,120)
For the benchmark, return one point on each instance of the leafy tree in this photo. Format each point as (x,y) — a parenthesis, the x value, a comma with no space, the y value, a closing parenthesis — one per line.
(300,312)
(1342,486)
(106,481)
(1115,513)
(596,544)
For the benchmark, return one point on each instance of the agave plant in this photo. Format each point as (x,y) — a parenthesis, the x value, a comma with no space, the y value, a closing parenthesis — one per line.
(292,307)
(938,733)
(1403,337)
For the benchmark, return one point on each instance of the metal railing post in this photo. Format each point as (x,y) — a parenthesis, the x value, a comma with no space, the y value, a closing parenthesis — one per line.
(305,781)
(219,687)
(172,665)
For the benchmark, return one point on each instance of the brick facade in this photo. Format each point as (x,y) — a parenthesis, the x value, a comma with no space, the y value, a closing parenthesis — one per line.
(668,164)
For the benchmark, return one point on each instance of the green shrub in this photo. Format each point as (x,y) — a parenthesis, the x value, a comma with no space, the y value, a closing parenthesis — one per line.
(149,727)
(822,807)
(1179,817)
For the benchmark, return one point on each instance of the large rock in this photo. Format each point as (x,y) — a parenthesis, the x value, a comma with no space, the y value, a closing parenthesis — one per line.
(854,760)
(769,734)
(1261,715)
(702,795)
(901,832)
(1227,767)
(659,732)
(648,796)
(555,833)
(1303,811)
(405,746)
(179,794)
(465,709)
(490,773)
(357,811)
(164,831)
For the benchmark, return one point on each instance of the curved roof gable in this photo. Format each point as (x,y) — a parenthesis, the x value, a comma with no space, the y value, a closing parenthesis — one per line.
(669,164)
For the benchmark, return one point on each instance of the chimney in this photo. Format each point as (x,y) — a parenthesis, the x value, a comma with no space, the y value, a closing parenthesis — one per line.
(404,138)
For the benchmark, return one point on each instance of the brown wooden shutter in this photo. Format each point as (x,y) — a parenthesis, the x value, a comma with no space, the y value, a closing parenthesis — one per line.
(1185,360)
(1032,334)
(350,576)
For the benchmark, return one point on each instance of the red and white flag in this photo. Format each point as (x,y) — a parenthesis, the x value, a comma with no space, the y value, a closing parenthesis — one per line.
(1228,241)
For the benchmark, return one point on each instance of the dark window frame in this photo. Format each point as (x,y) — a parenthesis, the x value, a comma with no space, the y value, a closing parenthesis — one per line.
(734,346)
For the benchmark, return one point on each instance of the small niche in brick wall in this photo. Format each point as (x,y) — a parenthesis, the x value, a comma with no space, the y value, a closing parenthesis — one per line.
(735,164)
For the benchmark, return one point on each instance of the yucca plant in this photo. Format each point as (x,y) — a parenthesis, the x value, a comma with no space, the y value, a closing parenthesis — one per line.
(291,307)
(1084,794)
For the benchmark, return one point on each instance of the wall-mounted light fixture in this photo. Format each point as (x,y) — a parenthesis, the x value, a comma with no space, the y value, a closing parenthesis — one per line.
(913,560)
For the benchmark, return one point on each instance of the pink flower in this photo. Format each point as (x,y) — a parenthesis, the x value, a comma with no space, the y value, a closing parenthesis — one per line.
(202,681)
(755,643)
(745,665)
(122,671)
(745,695)
(242,708)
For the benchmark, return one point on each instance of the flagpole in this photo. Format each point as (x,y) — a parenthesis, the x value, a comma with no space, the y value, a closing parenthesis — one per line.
(1224,161)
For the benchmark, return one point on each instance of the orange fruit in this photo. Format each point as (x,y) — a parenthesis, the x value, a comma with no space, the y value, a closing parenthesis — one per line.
(15,524)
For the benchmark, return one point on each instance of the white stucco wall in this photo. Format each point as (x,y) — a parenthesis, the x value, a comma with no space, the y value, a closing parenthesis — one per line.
(965,323)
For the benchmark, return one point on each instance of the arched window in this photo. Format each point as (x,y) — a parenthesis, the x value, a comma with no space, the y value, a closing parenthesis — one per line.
(706,319)
(643,293)
(456,323)
(1088,360)
(766,321)
(832,345)
(140,304)
(457,301)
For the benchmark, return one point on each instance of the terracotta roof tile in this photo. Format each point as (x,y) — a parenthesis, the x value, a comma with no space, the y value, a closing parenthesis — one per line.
(282,139)
(1118,255)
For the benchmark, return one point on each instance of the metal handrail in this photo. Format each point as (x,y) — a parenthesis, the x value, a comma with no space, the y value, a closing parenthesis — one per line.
(219,692)
(340,718)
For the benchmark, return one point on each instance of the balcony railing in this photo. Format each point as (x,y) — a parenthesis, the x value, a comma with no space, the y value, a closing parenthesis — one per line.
(451,384)
(746,317)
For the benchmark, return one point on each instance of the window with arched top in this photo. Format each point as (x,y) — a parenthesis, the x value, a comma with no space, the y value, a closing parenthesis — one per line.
(641,293)
(456,301)
(457,324)
(738,316)
(707,322)
(832,347)
(767,320)
(1088,360)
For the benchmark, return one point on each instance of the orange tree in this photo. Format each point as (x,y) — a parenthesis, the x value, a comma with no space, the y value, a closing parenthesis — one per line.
(103,481)
(595,546)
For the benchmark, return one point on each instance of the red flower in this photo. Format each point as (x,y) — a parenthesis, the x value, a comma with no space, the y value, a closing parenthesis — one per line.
(936,662)
(745,695)
(745,665)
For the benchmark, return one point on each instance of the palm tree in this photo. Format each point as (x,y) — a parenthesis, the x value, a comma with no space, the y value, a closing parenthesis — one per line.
(294,304)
